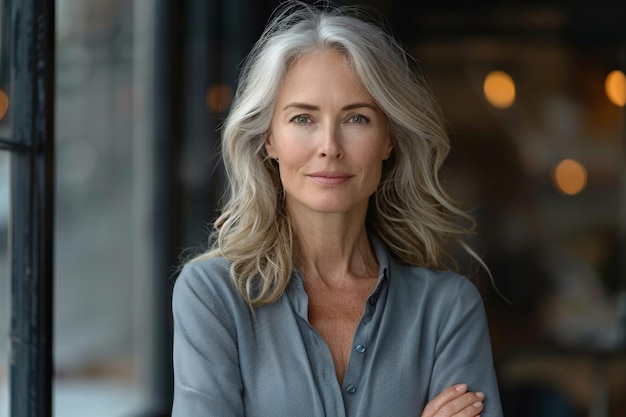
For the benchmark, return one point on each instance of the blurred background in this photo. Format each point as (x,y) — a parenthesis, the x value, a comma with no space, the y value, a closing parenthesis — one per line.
(533,93)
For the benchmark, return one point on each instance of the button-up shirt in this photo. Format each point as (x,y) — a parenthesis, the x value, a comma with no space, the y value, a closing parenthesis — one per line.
(422,330)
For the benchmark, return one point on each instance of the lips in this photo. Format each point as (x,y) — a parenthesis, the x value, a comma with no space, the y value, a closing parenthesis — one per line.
(329,177)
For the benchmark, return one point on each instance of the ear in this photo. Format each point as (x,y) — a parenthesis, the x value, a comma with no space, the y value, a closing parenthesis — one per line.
(269,148)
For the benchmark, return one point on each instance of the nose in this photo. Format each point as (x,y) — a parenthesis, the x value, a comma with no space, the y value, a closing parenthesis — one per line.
(331,146)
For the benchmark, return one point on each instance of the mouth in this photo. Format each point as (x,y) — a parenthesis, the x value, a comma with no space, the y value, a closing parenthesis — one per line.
(329,178)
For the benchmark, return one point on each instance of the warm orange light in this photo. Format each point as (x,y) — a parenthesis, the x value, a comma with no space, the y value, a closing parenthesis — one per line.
(499,89)
(218,97)
(570,177)
(615,87)
(4,104)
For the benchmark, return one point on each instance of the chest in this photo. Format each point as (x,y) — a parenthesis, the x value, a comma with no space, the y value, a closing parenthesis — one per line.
(289,369)
(336,315)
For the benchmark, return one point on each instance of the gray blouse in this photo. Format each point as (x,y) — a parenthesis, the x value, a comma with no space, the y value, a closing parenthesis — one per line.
(421,331)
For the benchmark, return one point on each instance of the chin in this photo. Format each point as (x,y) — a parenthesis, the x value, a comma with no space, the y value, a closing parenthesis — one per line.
(335,207)
(328,203)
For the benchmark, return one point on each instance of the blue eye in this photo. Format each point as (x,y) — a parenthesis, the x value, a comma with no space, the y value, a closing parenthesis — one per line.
(358,119)
(300,119)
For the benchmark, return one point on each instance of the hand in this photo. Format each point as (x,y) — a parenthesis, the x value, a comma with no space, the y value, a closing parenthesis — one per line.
(455,401)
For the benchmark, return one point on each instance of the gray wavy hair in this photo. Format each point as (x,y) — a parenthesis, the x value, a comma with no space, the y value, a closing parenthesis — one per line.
(410,211)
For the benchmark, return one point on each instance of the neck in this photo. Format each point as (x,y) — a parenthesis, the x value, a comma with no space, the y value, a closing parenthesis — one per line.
(334,248)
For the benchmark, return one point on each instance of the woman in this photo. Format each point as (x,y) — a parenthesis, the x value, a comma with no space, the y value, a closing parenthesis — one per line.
(326,293)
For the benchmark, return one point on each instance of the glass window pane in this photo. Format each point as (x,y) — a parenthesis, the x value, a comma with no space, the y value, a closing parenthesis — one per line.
(5,276)
(102,291)
(5,285)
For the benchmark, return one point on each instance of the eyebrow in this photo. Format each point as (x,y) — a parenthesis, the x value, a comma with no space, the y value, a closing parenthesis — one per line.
(312,107)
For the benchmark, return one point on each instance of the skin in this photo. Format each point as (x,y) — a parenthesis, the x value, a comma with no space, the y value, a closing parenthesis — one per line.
(331,139)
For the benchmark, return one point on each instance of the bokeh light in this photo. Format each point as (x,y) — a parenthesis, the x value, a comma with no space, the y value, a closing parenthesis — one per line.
(569,176)
(219,97)
(499,89)
(4,104)
(615,87)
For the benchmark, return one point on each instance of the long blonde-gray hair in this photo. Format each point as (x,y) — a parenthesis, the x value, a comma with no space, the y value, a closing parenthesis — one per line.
(410,211)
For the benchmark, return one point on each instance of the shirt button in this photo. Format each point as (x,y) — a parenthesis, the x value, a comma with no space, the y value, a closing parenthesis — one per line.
(351,389)
(360,348)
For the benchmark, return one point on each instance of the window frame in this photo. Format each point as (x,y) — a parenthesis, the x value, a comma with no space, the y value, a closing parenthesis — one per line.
(31,149)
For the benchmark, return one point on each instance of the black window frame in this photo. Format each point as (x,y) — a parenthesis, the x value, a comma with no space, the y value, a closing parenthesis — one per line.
(31,149)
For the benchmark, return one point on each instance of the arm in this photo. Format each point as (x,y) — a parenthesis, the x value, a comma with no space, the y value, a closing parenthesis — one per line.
(207,380)
(463,351)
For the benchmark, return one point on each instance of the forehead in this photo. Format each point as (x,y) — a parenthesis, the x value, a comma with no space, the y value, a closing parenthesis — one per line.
(322,73)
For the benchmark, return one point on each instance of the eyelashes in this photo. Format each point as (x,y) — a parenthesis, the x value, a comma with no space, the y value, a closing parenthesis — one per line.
(300,119)
(305,119)
(359,119)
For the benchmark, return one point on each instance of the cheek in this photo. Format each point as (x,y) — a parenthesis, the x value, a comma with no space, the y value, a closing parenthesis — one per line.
(289,167)
(294,151)
(375,153)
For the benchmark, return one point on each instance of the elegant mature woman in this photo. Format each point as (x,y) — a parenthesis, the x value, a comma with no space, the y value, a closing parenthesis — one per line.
(326,291)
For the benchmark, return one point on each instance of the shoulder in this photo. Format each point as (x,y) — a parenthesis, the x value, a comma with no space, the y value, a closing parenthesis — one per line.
(439,288)
(201,275)
(206,285)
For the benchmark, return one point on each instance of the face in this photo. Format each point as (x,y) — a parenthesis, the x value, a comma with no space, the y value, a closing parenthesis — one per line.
(329,136)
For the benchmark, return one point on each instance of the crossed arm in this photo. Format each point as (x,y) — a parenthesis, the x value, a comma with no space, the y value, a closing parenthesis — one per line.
(455,401)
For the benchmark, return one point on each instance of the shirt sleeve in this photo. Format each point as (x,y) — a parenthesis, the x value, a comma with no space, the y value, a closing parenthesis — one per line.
(207,379)
(463,352)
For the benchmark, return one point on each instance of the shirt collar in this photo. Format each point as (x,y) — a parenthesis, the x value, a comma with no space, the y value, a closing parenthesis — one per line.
(384,261)
(382,254)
